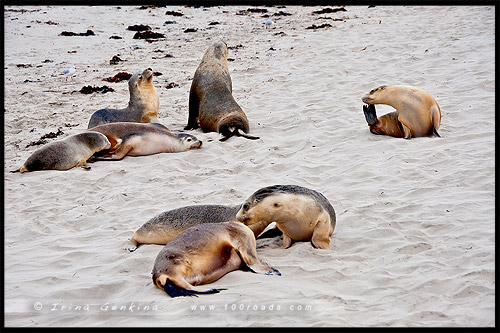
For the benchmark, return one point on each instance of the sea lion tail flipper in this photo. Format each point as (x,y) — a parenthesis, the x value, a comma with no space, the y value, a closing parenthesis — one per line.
(370,114)
(14,171)
(175,291)
(232,130)
(239,132)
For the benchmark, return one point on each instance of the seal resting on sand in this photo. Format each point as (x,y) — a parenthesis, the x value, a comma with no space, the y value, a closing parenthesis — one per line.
(142,106)
(300,213)
(138,139)
(203,254)
(67,153)
(417,113)
(164,227)
(211,103)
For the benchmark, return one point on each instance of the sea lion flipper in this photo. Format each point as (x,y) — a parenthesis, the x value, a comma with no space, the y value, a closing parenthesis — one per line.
(370,114)
(239,132)
(406,130)
(232,131)
(194,110)
(436,133)
(175,291)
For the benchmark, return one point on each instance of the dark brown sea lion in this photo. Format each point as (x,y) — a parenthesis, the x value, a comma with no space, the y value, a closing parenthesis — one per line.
(211,103)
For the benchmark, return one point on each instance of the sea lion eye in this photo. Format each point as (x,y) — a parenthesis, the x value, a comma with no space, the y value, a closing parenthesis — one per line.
(189,139)
(245,206)
(140,77)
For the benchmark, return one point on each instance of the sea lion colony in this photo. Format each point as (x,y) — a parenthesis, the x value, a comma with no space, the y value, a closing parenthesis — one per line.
(203,243)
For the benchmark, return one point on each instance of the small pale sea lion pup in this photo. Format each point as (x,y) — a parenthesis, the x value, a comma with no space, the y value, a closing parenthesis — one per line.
(139,139)
(211,103)
(299,212)
(142,107)
(417,113)
(67,153)
(203,254)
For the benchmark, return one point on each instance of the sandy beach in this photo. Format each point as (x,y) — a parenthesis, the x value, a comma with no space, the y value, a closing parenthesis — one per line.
(414,243)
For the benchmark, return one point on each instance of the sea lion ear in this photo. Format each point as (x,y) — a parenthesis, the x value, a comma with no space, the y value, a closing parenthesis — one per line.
(277,205)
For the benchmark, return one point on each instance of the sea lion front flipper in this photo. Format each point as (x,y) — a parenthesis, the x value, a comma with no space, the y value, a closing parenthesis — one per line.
(258,228)
(406,131)
(119,154)
(370,114)
(194,110)
(321,236)
(287,241)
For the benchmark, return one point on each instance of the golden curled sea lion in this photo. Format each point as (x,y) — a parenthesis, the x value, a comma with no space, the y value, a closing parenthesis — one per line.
(142,106)
(417,113)
(203,254)
(67,153)
(300,213)
(138,139)
(211,103)
(164,227)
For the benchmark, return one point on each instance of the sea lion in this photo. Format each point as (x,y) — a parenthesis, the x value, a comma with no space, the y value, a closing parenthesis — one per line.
(203,254)
(164,227)
(139,139)
(142,106)
(211,103)
(67,153)
(417,113)
(300,213)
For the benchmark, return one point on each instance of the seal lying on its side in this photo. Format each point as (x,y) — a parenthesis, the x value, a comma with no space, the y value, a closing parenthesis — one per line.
(142,107)
(417,113)
(164,227)
(211,103)
(138,139)
(67,153)
(300,213)
(203,254)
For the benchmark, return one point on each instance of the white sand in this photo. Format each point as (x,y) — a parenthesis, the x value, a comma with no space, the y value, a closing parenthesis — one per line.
(414,243)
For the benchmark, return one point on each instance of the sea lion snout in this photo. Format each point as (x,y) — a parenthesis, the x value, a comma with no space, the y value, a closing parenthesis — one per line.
(367,99)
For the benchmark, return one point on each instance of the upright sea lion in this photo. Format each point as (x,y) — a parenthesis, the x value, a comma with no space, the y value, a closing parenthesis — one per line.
(203,254)
(417,113)
(300,213)
(138,139)
(211,103)
(164,227)
(67,153)
(142,107)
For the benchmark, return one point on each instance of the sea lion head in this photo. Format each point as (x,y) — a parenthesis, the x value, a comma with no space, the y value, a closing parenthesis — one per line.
(220,50)
(95,140)
(263,205)
(373,96)
(142,91)
(189,141)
